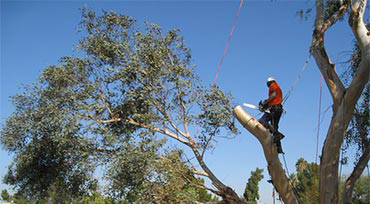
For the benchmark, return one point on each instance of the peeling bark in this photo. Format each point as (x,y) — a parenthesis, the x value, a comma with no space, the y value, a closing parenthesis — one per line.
(276,171)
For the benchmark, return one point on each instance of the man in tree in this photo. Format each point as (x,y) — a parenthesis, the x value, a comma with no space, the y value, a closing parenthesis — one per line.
(273,104)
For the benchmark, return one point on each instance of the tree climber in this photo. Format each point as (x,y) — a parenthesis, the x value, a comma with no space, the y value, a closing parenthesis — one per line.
(273,104)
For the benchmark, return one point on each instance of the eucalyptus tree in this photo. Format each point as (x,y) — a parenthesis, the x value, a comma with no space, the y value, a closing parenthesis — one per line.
(344,98)
(113,108)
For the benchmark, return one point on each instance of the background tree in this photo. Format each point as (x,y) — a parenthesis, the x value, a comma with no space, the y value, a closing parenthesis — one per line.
(361,192)
(5,195)
(112,109)
(306,188)
(251,194)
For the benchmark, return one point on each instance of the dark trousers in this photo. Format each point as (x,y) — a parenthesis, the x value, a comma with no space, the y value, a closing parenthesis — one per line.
(273,117)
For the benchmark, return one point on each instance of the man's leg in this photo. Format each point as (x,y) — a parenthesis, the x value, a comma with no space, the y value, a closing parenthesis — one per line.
(265,119)
(276,112)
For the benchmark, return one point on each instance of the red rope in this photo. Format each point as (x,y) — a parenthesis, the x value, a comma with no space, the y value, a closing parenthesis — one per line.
(223,55)
(317,144)
(228,42)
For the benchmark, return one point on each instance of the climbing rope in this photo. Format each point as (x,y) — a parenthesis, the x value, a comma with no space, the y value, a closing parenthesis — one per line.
(317,144)
(297,79)
(223,55)
(287,171)
(228,42)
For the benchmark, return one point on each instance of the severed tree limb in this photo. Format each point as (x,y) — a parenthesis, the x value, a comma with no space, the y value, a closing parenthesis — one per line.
(276,171)
(224,191)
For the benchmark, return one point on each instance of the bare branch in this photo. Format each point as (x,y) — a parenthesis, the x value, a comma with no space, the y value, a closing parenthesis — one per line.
(165,131)
(328,71)
(320,12)
(201,173)
(168,119)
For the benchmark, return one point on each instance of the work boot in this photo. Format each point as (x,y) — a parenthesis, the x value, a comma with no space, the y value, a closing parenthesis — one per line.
(278,136)
(279,149)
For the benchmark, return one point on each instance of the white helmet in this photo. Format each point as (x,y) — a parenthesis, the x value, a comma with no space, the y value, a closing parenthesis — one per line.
(270,79)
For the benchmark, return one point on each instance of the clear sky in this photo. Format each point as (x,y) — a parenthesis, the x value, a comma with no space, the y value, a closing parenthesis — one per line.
(269,40)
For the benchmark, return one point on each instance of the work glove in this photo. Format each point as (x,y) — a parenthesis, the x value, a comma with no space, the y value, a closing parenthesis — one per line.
(262,105)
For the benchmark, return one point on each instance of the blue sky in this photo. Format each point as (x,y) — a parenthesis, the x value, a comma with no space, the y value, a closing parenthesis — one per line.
(269,40)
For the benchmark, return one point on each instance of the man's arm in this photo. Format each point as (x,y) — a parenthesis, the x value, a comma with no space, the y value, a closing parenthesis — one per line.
(272,96)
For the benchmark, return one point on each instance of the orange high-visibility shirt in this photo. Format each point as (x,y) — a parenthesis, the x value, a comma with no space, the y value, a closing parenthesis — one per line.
(274,87)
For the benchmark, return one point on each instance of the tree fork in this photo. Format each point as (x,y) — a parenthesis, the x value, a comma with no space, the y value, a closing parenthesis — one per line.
(276,171)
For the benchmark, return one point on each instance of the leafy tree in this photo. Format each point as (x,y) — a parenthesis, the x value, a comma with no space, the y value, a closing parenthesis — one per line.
(5,195)
(112,109)
(251,194)
(361,192)
(305,181)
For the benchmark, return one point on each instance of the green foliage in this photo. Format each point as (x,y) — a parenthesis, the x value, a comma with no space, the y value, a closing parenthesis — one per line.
(361,192)
(358,132)
(251,194)
(5,195)
(167,180)
(105,110)
(303,181)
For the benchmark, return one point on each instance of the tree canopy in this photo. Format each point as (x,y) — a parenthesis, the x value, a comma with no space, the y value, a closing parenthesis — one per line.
(112,109)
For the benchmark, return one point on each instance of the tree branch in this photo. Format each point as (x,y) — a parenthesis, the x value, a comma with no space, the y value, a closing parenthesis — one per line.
(201,186)
(165,131)
(358,26)
(334,17)
(168,119)
(132,122)
(355,175)
(201,173)
(328,71)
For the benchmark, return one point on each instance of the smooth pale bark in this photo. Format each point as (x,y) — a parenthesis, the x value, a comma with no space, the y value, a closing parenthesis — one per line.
(276,171)
(355,175)
(344,100)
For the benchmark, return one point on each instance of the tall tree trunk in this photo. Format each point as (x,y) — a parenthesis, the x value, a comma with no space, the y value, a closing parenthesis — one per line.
(276,171)
(344,100)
